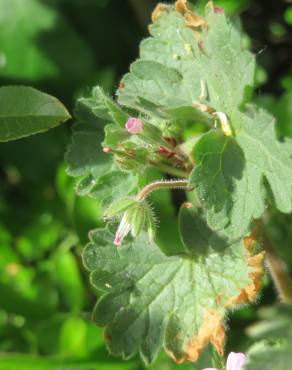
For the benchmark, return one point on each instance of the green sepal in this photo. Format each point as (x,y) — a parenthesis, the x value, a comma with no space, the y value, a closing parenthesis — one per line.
(141,218)
(119,206)
(151,134)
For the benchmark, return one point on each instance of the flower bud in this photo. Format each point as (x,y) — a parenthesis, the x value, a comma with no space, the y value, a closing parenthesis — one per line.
(137,218)
(134,125)
(119,206)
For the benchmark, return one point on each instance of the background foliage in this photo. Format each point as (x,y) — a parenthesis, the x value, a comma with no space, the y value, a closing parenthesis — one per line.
(65,47)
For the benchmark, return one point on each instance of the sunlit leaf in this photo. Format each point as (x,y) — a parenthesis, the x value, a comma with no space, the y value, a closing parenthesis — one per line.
(25,111)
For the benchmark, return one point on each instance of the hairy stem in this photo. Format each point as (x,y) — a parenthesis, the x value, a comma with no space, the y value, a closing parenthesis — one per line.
(159,185)
(279,272)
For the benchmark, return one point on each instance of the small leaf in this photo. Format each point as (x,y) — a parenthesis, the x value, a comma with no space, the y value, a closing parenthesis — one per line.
(104,107)
(26,111)
(99,175)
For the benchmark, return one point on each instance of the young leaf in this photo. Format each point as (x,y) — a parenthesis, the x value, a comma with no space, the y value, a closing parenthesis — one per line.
(105,108)
(183,65)
(26,111)
(85,156)
(99,176)
(151,301)
(230,172)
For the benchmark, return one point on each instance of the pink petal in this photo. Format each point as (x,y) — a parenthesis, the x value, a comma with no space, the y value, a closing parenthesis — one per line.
(218,9)
(235,361)
(118,240)
(123,230)
(210,368)
(134,126)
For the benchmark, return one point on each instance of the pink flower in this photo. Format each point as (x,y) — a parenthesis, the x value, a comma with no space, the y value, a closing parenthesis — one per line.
(235,361)
(123,230)
(134,125)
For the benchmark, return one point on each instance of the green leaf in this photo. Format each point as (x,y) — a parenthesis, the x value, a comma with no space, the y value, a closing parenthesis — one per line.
(230,172)
(192,223)
(104,107)
(85,156)
(275,328)
(99,175)
(177,61)
(267,357)
(151,301)
(220,163)
(26,111)
(275,324)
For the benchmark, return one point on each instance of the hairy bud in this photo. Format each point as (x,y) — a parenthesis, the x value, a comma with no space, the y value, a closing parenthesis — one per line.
(134,126)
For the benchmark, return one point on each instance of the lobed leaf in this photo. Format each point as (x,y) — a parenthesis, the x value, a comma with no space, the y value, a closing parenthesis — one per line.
(152,301)
(231,172)
(187,57)
(104,107)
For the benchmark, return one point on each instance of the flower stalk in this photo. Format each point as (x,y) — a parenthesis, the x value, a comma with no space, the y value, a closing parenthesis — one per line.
(162,185)
(139,215)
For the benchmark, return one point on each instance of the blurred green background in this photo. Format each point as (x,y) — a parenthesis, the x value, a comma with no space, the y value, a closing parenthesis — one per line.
(65,47)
